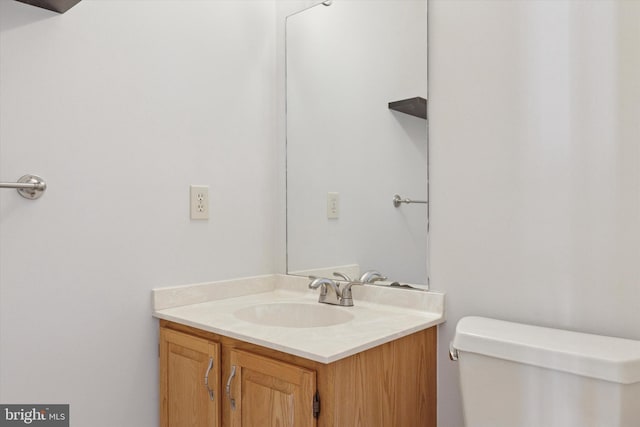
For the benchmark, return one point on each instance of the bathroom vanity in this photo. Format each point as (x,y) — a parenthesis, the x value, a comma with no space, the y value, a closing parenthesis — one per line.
(262,351)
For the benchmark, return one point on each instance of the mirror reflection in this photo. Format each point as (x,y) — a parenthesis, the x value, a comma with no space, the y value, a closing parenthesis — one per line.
(348,153)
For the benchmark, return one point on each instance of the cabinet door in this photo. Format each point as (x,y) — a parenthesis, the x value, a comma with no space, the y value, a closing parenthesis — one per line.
(189,381)
(268,393)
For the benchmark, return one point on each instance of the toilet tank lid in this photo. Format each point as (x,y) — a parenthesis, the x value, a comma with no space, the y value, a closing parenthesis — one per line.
(607,358)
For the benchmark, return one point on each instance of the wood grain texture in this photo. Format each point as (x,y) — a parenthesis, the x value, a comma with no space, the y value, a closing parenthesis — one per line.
(270,393)
(392,385)
(184,399)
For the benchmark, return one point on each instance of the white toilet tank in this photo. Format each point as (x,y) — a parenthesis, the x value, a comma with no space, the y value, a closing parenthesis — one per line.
(516,375)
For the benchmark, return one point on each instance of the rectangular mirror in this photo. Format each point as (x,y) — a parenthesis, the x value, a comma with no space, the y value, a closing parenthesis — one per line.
(348,153)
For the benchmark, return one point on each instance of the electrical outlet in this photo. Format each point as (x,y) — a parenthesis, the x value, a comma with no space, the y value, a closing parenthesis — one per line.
(199,201)
(333,205)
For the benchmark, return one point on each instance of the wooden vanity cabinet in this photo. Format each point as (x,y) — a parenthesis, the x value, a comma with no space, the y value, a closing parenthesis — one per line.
(189,380)
(269,392)
(391,385)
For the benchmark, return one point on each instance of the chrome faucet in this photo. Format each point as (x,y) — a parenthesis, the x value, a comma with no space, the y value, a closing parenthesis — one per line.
(341,294)
(322,283)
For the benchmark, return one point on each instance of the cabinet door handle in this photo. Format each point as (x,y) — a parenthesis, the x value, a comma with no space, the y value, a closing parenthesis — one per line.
(228,388)
(206,379)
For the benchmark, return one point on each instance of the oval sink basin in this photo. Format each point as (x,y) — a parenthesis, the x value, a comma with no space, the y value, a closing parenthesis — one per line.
(293,315)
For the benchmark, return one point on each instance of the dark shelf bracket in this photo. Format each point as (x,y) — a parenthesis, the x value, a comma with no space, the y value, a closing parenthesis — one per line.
(60,6)
(413,106)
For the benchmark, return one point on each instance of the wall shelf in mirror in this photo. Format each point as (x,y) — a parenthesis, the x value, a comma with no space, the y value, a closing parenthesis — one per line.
(413,106)
(59,6)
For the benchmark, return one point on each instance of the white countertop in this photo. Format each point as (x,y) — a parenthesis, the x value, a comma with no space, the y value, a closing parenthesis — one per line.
(380,314)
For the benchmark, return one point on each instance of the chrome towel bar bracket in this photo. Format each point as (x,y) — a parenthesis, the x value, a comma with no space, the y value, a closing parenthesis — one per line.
(29,186)
(397,201)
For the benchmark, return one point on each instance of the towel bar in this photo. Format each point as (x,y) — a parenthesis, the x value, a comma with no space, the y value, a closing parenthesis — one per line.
(28,186)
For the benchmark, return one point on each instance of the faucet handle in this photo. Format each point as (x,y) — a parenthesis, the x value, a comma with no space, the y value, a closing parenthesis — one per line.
(371,276)
(342,276)
(316,282)
(346,297)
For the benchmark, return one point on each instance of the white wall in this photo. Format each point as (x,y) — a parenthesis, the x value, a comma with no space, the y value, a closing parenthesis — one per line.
(120,105)
(535,167)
